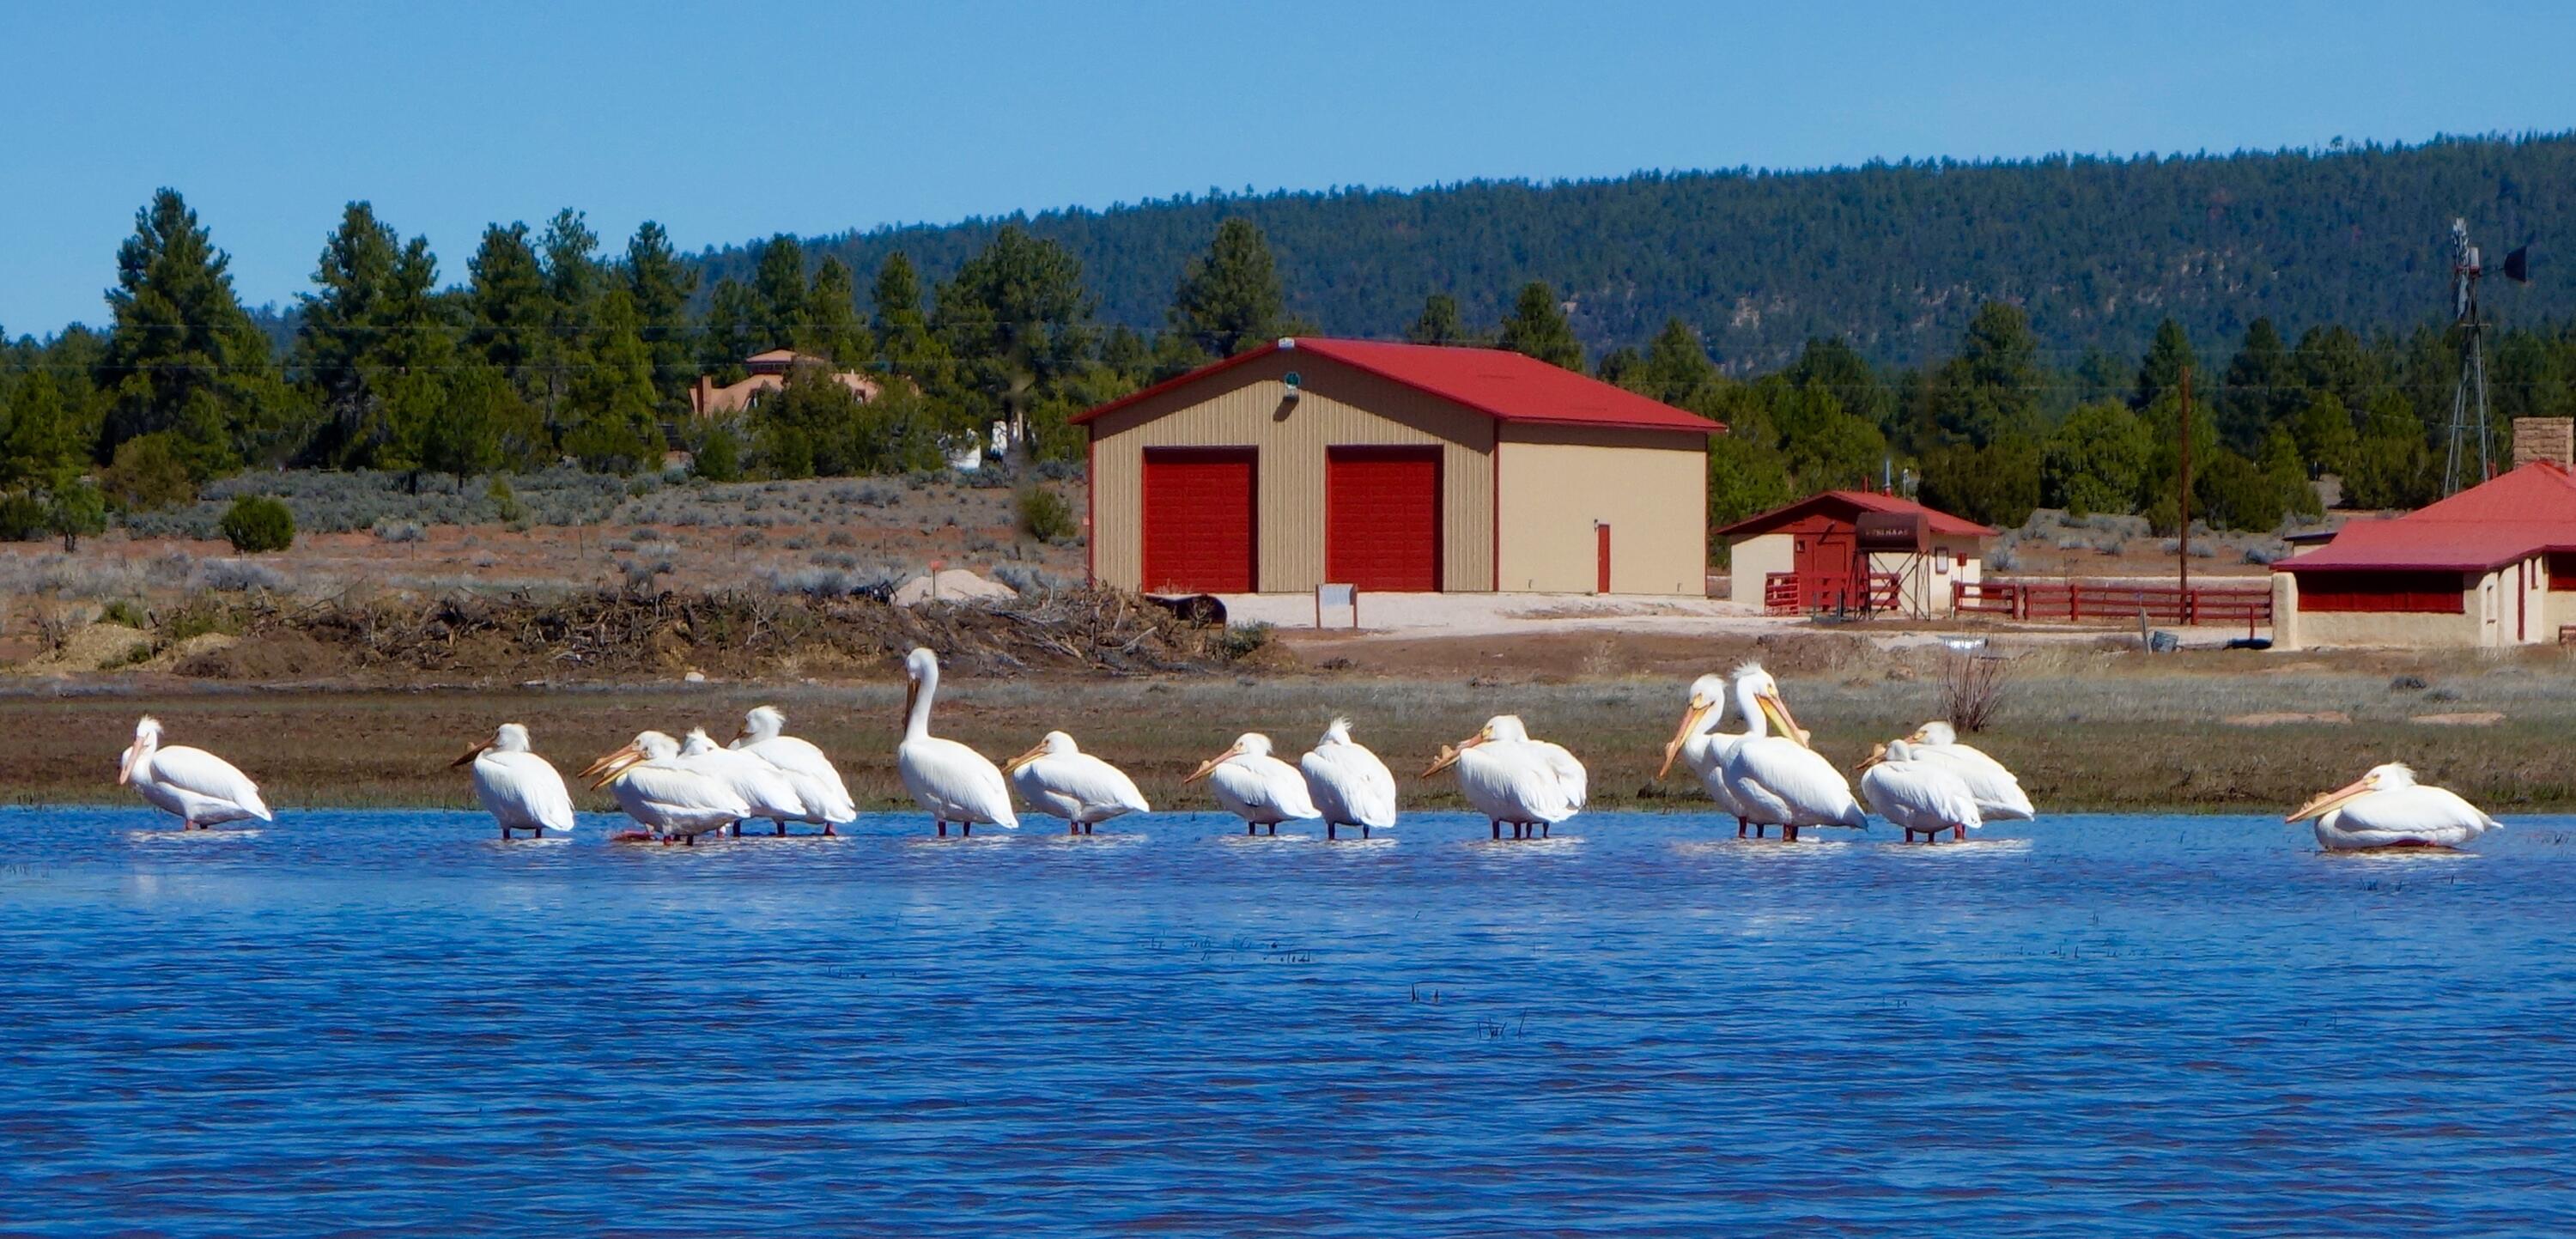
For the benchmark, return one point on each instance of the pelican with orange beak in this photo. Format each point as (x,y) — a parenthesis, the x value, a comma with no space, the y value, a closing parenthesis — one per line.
(521,790)
(196,786)
(2387,808)
(1511,778)
(1702,747)
(1776,779)
(955,783)
(1057,778)
(1255,786)
(668,799)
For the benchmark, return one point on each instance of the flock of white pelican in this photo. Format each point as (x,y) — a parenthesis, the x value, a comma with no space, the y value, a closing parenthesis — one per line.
(1928,784)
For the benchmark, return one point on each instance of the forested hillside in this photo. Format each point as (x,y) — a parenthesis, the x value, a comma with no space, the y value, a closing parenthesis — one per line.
(1892,257)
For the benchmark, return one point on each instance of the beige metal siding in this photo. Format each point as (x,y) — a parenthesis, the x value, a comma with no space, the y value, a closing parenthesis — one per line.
(1247,407)
(1650,487)
(1751,561)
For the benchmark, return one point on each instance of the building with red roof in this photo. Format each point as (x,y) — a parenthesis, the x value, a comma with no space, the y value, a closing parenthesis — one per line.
(1396,468)
(1853,550)
(2493,565)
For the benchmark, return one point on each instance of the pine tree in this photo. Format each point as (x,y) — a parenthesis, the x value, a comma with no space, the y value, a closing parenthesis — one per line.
(831,327)
(661,286)
(2261,389)
(1019,320)
(1537,327)
(506,299)
(732,332)
(184,359)
(1990,391)
(778,281)
(2161,370)
(1228,300)
(374,343)
(610,425)
(1676,365)
(573,281)
(1439,322)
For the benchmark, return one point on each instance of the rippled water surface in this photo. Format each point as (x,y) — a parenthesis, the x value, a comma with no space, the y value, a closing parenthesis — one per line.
(394,1023)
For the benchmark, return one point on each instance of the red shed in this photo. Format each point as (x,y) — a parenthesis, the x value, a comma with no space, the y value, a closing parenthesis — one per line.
(1854,550)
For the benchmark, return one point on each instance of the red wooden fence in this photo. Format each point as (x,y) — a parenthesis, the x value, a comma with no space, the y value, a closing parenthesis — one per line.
(2113,602)
(1787,593)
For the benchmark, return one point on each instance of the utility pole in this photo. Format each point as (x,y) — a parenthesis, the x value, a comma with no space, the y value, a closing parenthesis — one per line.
(2182,606)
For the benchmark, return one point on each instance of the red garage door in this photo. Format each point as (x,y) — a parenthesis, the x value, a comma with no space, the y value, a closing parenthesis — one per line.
(1198,520)
(1382,517)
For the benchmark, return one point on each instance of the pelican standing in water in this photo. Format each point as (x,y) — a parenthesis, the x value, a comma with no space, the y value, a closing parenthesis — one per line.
(521,790)
(1347,782)
(827,799)
(955,783)
(1778,780)
(764,787)
(1702,747)
(1058,779)
(1511,778)
(1922,796)
(2387,808)
(1255,786)
(200,788)
(1999,795)
(668,799)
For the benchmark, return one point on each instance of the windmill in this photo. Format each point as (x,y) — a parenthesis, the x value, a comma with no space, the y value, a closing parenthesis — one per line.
(2468,412)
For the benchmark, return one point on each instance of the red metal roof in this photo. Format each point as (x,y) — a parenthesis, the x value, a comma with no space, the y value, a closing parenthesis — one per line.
(2523,512)
(1851,503)
(1509,387)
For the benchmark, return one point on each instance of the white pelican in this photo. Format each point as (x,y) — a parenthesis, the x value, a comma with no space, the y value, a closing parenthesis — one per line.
(1778,780)
(519,789)
(827,799)
(1923,796)
(2387,808)
(766,788)
(1059,780)
(1999,795)
(1347,782)
(1704,748)
(956,783)
(201,788)
(666,797)
(1255,786)
(1512,778)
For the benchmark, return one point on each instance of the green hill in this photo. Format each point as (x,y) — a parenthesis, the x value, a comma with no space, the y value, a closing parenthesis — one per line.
(1893,256)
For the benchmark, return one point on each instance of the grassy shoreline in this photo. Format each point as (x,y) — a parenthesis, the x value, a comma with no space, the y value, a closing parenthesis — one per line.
(2085,731)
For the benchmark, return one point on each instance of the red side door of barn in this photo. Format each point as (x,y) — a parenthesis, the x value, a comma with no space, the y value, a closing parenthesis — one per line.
(1382,518)
(1200,520)
(1825,551)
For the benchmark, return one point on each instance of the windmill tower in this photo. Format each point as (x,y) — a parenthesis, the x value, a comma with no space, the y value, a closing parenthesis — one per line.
(2468,413)
(2469,395)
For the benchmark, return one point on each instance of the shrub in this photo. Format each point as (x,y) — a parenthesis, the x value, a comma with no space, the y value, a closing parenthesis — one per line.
(124,611)
(720,457)
(505,502)
(147,475)
(1045,514)
(256,524)
(22,517)
(1244,640)
(236,576)
(399,531)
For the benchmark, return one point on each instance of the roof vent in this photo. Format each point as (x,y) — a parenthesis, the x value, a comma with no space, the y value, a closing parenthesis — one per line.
(1287,341)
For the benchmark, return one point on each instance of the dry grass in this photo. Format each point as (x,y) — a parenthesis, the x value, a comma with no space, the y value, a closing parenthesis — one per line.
(2086,729)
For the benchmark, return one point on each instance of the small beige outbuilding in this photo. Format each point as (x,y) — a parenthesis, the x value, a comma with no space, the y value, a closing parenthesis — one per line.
(1399,468)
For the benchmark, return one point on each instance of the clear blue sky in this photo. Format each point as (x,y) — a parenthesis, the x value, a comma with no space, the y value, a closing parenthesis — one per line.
(728,122)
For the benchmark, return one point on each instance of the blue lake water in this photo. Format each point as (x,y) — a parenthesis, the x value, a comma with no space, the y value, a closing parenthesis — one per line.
(392,1023)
